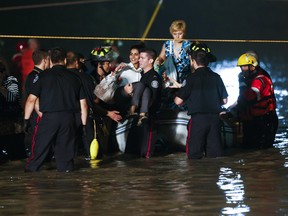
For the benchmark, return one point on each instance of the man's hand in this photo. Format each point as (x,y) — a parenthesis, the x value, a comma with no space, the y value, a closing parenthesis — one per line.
(114,115)
(27,126)
(175,84)
(121,66)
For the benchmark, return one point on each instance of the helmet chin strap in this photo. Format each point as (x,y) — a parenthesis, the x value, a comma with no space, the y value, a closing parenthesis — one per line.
(101,67)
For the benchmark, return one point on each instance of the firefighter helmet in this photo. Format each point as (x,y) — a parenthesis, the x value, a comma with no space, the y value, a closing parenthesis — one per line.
(102,54)
(197,46)
(247,59)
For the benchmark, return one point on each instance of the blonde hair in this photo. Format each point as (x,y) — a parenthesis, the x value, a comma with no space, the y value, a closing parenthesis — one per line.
(178,25)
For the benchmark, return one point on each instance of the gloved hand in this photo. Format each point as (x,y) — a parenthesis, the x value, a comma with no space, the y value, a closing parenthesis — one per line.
(27,126)
(84,132)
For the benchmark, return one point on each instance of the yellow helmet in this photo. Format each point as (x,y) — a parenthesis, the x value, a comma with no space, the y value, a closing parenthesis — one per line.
(247,59)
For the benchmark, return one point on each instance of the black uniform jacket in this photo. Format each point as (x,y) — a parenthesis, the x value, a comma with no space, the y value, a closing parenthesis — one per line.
(58,90)
(203,91)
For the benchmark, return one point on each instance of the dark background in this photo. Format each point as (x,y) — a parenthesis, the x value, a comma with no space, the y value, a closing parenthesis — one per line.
(206,20)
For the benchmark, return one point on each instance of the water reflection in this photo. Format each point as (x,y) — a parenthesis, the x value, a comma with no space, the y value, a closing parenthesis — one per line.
(95,163)
(232,185)
(281,143)
(241,183)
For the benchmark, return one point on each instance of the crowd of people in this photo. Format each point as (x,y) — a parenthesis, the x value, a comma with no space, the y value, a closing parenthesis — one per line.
(63,101)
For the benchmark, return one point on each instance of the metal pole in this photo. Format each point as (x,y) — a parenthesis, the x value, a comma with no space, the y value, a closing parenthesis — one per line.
(152,20)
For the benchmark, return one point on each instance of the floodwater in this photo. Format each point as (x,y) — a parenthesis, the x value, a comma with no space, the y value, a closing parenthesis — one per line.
(241,183)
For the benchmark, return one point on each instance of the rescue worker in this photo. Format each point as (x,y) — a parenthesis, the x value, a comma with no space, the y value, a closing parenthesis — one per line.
(151,80)
(147,92)
(100,58)
(60,96)
(256,104)
(204,94)
(41,61)
(83,135)
(101,112)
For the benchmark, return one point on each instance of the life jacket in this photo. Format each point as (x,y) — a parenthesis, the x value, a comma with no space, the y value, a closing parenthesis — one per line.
(265,100)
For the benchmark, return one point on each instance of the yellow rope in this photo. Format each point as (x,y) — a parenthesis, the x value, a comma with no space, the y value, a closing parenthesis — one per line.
(138,39)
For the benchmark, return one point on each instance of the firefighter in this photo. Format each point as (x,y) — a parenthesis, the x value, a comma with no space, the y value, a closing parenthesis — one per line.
(256,104)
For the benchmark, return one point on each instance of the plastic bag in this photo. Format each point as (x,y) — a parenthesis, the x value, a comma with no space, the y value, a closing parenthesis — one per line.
(106,88)
(170,69)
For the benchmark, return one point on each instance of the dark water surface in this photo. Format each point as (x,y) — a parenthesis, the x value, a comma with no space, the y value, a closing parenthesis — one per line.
(242,183)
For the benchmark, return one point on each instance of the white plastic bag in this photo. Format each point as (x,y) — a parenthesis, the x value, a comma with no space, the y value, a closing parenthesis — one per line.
(106,88)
